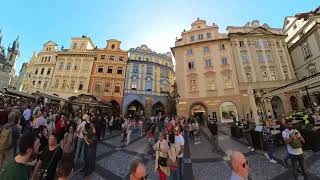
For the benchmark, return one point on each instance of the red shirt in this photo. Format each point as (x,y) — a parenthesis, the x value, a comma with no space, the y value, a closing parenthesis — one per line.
(59,126)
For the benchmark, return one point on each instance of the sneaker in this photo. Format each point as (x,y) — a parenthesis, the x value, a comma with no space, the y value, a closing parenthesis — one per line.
(285,163)
(273,161)
(249,147)
(266,155)
(252,149)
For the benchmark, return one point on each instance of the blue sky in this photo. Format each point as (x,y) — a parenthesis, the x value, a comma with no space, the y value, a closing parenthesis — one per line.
(134,22)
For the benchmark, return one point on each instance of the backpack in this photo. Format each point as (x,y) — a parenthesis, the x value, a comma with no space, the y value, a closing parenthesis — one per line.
(5,139)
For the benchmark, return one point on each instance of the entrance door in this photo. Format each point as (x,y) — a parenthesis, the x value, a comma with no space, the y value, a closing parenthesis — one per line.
(199,111)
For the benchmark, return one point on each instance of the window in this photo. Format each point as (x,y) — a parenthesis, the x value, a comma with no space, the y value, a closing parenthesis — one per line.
(149,84)
(134,83)
(45,59)
(80,85)
(68,65)
(191,38)
(245,59)
(269,59)
(258,45)
(100,69)
(149,69)
(241,43)
(189,52)
(224,61)
(164,87)
(260,58)
(192,85)
(306,50)
(61,66)
(208,35)
(36,71)
(64,84)
(42,71)
(72,83)
(210,82)
(48,71)
(200,36)
(222,47)
(265,76)
(208,63)
(281,59)
(103,57)
(249,77)
(277,44)
(273,75)
(294,26)
(121,58)
(147,59)
(33,83)
(112,58)
(313,70)
(191,65)
(266,43)
(56,84)
(42,59)
(119,71)
(227,81)
(139,58)
(39,83)
(45,84)
(205,49)
(286,75)
(107,87)
(136,68)
(75,67)
(97,87)
(109,70)
(117,88)
(113,46)
(49,58)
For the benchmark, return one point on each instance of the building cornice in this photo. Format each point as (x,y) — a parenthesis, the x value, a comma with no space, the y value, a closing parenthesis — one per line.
(200,42)
(298,43)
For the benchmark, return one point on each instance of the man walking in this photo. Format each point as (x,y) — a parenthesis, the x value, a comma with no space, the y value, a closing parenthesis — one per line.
(179,140)
(293,139)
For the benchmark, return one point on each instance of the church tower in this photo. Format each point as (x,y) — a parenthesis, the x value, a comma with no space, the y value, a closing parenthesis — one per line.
(13,53)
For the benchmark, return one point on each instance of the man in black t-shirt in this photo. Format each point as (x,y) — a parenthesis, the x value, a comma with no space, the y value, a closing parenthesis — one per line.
(50,158)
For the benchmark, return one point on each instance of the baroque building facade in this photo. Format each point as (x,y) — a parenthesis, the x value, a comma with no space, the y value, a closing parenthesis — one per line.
(303,40)
(149,82)
(39,70)
(7,62)
(263,63)
(108,73)
(206,74)
(73,67)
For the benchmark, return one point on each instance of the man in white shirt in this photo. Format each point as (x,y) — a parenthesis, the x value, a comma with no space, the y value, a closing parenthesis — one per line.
(27,116)
(179,140)
(294,141)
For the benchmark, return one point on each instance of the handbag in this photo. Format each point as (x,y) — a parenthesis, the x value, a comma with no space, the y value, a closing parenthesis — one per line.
(42,174)
(161,160)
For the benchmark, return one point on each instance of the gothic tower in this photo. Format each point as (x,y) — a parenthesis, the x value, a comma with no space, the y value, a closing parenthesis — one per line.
(13,53)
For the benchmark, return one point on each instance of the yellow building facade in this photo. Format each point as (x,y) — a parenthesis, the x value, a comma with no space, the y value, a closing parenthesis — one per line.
(40,69)
(206,74)
(73,67)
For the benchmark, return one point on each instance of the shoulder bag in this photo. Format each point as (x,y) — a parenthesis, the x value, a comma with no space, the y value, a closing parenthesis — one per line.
(42,174)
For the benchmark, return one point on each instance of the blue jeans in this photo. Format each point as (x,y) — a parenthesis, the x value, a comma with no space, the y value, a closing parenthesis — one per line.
(269,146)
(174,174)
(180,169)
(80,149)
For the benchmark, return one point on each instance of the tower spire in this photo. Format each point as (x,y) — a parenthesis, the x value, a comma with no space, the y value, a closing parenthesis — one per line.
(0,37)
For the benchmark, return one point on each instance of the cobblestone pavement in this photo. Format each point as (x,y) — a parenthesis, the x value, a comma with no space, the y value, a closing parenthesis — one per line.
(200,163)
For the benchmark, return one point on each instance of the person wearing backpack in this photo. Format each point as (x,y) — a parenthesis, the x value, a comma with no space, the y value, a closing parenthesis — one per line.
(294,141)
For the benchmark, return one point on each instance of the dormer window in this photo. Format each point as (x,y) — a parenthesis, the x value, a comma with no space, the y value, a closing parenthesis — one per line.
(74,46)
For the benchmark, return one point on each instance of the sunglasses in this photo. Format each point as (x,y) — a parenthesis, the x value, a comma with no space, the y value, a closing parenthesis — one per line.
(245,164)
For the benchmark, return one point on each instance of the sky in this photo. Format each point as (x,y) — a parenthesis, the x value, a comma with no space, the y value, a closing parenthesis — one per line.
(155,23)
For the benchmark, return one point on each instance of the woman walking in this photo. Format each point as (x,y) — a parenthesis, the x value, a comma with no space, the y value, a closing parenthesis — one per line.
(161,165)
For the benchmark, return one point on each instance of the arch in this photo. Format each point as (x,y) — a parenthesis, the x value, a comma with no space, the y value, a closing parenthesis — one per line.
(277,106)
(135,108)
(115,108)
(200,111)
(228,112)
(158,108)
(294,103)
